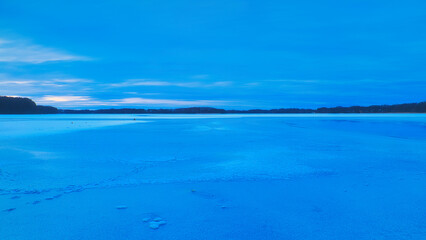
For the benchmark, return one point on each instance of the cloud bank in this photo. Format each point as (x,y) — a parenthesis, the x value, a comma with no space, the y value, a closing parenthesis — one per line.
(17,51)
(87,101)
(149,82)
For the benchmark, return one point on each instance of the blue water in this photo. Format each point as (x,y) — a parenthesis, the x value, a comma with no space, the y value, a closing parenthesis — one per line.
(307,176)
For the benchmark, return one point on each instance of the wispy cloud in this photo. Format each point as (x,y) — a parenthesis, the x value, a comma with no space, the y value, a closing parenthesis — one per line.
(87,101)
(169,102)
(44,85)
(200,76)
(24,52)
(68,101)
(149,82)
(52,98)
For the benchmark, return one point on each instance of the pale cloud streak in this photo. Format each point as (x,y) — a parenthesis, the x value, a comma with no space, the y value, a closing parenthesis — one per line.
(170,102)
(23,52)
(87,101)
(149,82)
(43,86)
(200,76)
(51,98)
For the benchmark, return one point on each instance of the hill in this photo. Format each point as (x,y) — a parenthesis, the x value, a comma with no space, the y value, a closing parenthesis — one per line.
(18,105)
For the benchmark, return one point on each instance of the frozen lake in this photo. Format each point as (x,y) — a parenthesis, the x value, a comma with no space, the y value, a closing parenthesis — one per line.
(300,176)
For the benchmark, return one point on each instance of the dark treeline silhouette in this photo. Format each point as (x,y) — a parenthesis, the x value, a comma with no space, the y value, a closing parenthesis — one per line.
(397,108)
(45,110)
(191,110)
(16,105)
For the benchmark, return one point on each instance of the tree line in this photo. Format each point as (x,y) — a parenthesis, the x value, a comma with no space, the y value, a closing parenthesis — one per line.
(18,105)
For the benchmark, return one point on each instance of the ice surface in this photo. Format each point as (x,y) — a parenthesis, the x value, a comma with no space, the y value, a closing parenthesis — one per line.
(156,223)
(300,176)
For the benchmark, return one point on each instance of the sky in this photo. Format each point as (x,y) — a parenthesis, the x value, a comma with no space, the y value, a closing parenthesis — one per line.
(233,54)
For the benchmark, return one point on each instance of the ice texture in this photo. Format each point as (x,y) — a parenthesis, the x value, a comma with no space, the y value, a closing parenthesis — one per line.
(208,176)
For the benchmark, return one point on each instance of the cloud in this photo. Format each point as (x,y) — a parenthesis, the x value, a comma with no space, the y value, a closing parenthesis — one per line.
(144,82)
(149,82)
(170,102)
(220,84)
(43,86)
(51,98)
(68,101)
(200,76)
(72,80)
(87,101)
(24,52)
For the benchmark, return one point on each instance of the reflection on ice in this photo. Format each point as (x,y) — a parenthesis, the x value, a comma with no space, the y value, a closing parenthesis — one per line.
(299,176)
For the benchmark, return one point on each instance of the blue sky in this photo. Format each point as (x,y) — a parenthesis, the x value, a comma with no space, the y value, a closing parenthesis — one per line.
(232,54)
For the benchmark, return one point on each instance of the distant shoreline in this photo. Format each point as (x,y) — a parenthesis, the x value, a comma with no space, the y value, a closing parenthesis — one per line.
(384,113)
(16,105)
